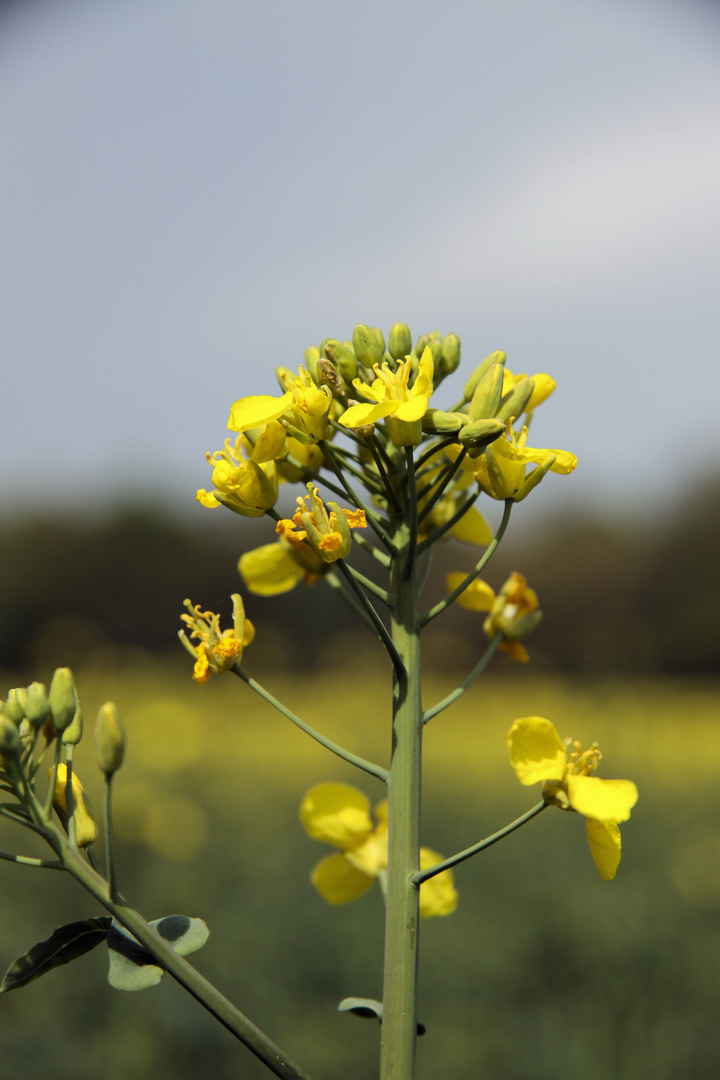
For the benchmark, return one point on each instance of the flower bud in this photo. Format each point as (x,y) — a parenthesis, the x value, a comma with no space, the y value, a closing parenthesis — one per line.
(14,707)
(514,403)
(434,342)
(369,344)
(437,422)
(86,831)
(109,739)
(311,357)
(342,357)
(481,433)
(494,358)
(399,341)
(10,742)
(62,698)
(450,356)
(37,706)
(488,394)
(74,731)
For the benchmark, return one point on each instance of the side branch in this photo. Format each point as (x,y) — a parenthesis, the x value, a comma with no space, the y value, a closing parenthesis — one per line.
(443,604)
(438,533)
(466,683)
(376,620)
(423,875)
(334,748)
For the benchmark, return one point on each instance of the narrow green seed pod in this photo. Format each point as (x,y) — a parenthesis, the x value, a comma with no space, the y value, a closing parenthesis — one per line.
(400,341)
(369,344)
(494,358)
(481,433)
(62,698)
(110,739)
(513,404)
(488,394)
(37,706)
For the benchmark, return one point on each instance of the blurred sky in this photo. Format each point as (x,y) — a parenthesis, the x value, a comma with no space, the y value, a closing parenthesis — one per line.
(192,191)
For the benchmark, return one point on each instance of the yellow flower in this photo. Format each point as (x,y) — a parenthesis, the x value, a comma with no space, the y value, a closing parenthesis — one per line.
(303,408)
(86,831)
(277,568)
(544,387)
(500,472)
(514,612)
(393,399)
(538,754)
(327,533)
(339,814)
(217,650)
(247,487)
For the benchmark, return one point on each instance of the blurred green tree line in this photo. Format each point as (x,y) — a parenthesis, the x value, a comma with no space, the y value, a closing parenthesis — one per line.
(635,597)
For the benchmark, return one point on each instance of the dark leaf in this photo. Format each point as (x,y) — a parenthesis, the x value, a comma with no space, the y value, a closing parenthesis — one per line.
(64,944)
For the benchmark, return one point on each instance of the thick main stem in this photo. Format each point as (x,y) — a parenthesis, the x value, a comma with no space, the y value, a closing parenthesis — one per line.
(399,1027)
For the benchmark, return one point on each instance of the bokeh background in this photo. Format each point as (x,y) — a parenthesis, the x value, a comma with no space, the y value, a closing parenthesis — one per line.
(193,192)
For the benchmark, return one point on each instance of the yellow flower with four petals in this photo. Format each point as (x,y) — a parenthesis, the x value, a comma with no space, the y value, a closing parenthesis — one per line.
(339,814)
(538,754)
(393,399)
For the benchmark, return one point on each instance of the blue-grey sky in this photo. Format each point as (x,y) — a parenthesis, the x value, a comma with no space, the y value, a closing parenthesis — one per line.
(193,191)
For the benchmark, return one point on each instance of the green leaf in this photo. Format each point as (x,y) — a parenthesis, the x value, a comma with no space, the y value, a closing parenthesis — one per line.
(64,944)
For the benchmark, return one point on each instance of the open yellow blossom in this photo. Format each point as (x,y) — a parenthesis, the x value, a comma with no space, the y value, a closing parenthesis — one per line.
(86,831)
(500,471)
(339,814)
(537,753)
(514,612)
(216,650)
(327,533)
(393,399)
(247,487)
(303,408)
(277,568)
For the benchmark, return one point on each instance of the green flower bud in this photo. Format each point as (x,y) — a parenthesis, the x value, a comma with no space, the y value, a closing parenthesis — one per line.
(74,731)
(437,422)
(37,706)
(342,357)
(450,356)
(494,358)
(488,393)
(10,742)
(311,357)
(369,344)
(400,341)
(109,739)
(14,707)
(481,433)
(513,404)
(62,698)
(434,340)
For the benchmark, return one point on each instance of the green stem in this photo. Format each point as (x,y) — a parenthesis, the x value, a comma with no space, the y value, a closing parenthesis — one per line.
(372,518)
(466,683)
(437,534)
(461,856)
(371,586)
(443,604)
(27,860)
(409,567)
(351,600)
(333,747)
(196,984)
(108,833)
(434,449)
(386,481)
(443,485)
(399,1027)
(380,556)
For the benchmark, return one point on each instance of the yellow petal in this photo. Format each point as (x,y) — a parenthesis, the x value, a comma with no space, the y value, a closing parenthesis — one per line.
(362,415)
(270,570)
(338,814)
(207,498)
(604,840)
(564,462)
(412,410)
(515,649)
(372,856)
(544,387)
(536,750)
(250,412)
(477,597)
(86,831)
(605,800)
(338,881)
(438,896)
(472,528)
